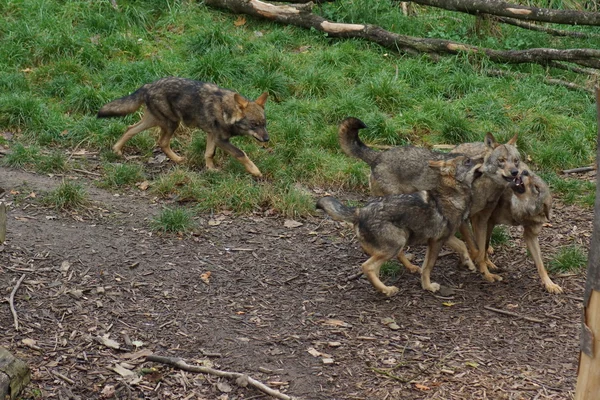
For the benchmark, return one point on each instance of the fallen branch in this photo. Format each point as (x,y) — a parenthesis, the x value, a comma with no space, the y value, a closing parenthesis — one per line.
(241,379)
(538,28)
(512,314)
(11,302)
(302,16)
(580,169)
(504,9)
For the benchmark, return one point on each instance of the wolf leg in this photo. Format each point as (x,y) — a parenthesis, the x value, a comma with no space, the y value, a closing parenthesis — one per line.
(209,153)
(479,222)
(371,269)
(531,239)
(433,249)
(460,248)
(406,262)
(164,141)
(148,121)
(240,156)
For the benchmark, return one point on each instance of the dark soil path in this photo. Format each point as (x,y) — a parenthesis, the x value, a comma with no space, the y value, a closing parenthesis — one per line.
(277,306)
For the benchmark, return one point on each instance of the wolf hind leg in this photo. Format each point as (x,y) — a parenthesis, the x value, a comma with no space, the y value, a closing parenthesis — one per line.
(433,249)
(148,121)
(412,268)
(164,141)
(371,269)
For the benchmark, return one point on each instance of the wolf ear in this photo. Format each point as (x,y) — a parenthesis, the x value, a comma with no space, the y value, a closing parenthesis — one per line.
(490,141)
(242,102)
(262,99)
(513,140)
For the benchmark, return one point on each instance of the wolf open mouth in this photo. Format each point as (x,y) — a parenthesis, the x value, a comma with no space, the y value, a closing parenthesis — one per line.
(517,185)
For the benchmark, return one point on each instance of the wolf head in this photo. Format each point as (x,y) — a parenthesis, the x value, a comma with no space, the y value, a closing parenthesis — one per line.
(531,196)
(249,118)
(501,161)
(457,171)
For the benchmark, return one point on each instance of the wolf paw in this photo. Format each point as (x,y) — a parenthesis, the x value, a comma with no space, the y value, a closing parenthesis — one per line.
(469,264)
(492,277)
(491,265)
(433,287)
(490,250)
(553,288)
(390,291)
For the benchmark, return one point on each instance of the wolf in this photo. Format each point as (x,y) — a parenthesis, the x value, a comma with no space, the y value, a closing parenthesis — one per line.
(528,205)
(220,113)
(403,169)
(386,224)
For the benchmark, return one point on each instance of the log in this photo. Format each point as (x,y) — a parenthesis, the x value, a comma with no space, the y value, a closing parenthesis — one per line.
(588,376)
(516,11)
(302,16)
(2,222)
(14,375)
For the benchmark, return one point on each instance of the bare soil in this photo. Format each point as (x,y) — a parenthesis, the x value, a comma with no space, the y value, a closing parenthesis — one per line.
(278,306)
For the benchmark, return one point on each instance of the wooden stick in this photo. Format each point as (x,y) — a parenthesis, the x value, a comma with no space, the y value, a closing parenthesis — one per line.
(11,302)
(512,314)
(241,379)
(2,222)
(580,169)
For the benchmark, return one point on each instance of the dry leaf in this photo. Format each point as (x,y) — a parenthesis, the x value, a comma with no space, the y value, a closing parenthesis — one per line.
(205,277)
(337,322)
(448,303)
(143,185)
(124,372)
(421,387)
(290,223)
(108,392)
(31,343)
(32,195)
(241,20)
(108,342)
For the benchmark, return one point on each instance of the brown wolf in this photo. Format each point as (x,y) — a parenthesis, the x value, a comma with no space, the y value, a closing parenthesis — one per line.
(385,225)
(528,205)
(403,169)
(220,113)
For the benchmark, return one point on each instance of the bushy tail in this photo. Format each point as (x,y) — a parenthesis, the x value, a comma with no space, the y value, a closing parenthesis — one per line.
(124,105)
(351,143)
(337,210)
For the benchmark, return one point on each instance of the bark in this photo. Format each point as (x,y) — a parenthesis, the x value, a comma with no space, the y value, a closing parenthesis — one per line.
(303,17)
(588,378)
(14,375)
(539,28)
(503,9)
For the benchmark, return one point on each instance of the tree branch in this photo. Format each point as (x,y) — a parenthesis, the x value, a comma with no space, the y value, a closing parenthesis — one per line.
(504,9)
(300,16)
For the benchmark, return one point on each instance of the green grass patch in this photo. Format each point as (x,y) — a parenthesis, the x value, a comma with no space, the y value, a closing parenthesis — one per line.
(61,61)
(67,196)
(572,191)
(175,220)
(568,259)
(500,236)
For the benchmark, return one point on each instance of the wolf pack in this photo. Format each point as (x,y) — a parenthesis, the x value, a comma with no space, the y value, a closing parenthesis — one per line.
(420,196)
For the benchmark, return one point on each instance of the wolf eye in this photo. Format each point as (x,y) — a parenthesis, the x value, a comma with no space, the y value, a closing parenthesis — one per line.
(468,162)
(502,160)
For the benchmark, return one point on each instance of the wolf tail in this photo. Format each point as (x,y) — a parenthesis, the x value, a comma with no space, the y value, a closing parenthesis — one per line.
(337,210)
(124,105)
(351,143)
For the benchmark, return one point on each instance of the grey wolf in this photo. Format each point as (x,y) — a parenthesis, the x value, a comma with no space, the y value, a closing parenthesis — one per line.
(385,225)
(530,206)
(220,113)
(403,169)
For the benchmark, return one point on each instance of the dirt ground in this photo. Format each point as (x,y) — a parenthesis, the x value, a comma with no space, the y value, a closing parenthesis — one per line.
(278,306)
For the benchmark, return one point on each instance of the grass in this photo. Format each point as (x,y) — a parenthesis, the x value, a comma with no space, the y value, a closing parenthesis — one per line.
(177,220)
(60,61)
(67,196)
(568,259)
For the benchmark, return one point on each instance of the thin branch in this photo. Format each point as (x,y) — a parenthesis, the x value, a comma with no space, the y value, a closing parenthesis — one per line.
(241,379)
(512,314)
(538,28)
(11,302)
(580,169)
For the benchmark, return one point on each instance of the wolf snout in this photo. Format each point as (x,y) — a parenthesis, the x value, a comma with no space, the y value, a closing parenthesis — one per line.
(514,171)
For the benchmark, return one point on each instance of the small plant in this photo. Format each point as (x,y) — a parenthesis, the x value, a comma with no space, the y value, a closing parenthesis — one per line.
(21,156)
(177,220)
(500,236)
(55,162)
(390,269)
(67,196)
(568,258)
(118,175)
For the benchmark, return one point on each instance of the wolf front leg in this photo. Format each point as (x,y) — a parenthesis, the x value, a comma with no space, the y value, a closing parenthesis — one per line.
(479,222)
(531,239)
(433,249)
(240,156)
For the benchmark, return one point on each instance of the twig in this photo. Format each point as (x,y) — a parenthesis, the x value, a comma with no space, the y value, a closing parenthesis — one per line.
(83,171)
(241,379)
(354,276)
(63,377)
(11,302)
(512,314)
(580,169)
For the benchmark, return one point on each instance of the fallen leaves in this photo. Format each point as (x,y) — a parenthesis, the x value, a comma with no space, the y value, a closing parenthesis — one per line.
(205,277)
